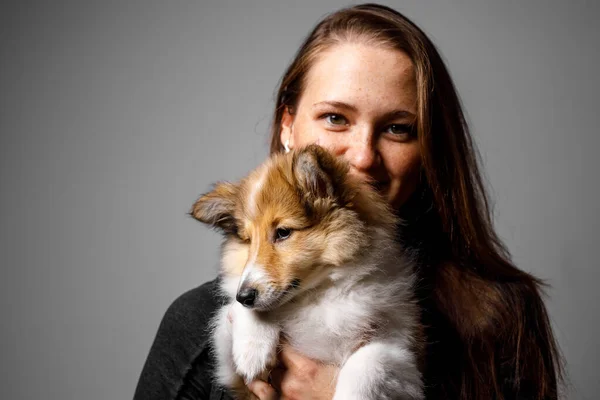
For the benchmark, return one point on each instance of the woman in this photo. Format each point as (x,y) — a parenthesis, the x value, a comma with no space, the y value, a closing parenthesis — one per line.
(369,85)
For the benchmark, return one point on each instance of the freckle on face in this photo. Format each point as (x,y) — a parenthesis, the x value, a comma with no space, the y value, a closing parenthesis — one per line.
(375,82)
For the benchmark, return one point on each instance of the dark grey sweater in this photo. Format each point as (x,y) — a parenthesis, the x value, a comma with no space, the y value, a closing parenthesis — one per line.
(179,365)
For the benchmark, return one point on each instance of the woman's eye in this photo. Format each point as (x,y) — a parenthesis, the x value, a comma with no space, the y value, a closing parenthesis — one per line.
(400,129)
(282,234)
(336,119)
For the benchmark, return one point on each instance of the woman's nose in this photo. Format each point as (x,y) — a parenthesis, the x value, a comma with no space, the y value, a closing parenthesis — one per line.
(363,155)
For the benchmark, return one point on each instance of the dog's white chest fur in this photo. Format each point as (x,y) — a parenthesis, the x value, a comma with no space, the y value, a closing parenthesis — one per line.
(362,323)
(332,325)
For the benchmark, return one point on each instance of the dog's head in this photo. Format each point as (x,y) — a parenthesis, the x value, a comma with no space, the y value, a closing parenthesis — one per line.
(290,222)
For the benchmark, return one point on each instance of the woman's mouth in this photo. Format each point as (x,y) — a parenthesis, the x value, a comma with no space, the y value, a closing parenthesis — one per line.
(379,185)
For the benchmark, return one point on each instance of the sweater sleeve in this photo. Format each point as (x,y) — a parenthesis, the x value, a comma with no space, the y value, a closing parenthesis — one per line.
(179,364)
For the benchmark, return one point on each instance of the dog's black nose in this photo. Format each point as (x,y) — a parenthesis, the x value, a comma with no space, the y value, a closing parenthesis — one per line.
(247,296)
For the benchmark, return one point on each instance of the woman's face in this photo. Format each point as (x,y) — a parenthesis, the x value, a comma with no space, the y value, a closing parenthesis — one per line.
(359,101)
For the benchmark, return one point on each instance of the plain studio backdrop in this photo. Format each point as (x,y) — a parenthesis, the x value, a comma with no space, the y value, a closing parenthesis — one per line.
(115,116)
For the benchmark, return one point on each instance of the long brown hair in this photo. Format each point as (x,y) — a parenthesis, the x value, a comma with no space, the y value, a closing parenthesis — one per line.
(488,329)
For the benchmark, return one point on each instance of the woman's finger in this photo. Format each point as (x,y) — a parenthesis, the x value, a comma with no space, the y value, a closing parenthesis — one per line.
(276,377)
(263,390)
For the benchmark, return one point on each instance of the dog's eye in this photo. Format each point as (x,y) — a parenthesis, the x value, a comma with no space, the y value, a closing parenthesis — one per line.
(282,234)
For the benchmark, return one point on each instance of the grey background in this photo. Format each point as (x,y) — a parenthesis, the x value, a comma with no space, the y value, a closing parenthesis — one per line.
(114,116)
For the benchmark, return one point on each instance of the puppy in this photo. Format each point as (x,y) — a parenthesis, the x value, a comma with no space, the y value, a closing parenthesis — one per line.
(309,255)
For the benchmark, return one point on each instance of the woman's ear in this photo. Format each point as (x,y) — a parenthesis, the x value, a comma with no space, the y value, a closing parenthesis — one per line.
(287,124)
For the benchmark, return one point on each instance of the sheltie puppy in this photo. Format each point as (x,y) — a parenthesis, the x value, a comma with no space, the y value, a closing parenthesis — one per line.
(309,256)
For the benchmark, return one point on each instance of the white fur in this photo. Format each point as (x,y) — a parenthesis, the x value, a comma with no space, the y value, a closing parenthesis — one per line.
(221,342)
(366,374)
(256,189)
(254,342)
(254,273)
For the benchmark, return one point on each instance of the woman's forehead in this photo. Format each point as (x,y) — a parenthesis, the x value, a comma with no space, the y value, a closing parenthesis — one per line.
(362,75)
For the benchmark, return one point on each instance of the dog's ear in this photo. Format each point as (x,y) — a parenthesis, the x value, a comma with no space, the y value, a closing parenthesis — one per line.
(216,207)
(314,170)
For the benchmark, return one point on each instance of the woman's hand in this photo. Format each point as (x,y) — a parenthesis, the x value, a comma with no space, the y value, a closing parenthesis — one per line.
(297,378)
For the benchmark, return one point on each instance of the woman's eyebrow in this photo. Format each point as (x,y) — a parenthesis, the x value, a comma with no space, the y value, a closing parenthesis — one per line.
(398,114)
(395,114)
(338,104)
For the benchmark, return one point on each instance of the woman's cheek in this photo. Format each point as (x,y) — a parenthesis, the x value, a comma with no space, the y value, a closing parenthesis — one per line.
(311,132)
(327,139)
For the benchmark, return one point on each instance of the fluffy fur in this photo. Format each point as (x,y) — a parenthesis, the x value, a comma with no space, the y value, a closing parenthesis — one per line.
(310,251)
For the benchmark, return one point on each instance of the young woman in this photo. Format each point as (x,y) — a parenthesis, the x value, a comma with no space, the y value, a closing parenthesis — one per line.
(370,86)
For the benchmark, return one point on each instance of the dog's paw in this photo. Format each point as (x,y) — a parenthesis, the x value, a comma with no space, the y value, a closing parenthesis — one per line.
(254,356)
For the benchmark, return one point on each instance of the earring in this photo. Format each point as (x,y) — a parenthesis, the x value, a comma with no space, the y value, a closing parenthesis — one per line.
(286,146)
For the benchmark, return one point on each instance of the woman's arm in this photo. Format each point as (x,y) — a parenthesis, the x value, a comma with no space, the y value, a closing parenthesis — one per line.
(179,364)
